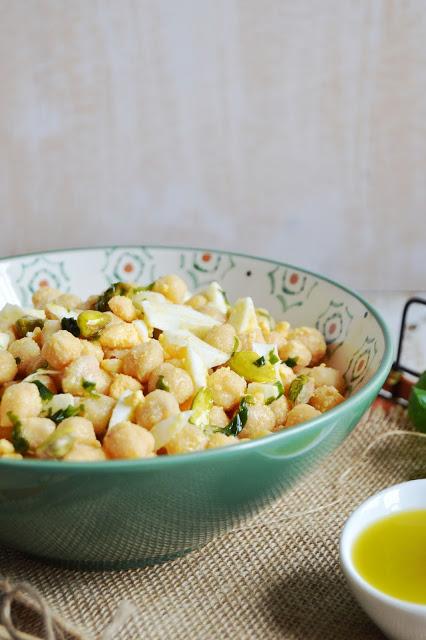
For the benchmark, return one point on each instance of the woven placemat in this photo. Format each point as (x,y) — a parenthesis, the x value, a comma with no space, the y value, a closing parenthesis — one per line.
(276,577)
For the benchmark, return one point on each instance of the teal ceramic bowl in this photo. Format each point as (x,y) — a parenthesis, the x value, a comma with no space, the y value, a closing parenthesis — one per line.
(127,513)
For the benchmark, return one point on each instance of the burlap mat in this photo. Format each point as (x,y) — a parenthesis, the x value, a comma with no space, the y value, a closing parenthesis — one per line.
(276,577)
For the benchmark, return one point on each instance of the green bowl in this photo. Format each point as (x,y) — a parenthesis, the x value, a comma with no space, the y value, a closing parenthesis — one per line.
(129,513)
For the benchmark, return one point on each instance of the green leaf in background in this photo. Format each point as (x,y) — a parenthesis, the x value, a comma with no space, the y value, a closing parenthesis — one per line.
(417,404)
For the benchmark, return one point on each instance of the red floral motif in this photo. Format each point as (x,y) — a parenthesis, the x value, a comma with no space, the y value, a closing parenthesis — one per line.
(43,283)
(206,257)
(294,278)
(332,328)
(128,267)
(360,365)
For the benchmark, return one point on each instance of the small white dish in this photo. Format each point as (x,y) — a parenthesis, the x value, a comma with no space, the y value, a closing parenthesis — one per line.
(398,619)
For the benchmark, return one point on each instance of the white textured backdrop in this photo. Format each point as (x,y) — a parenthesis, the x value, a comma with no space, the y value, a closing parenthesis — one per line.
(290,129)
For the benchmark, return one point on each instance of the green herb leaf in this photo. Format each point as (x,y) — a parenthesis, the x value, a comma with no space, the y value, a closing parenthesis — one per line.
(69,412)
(280,388)
(20,444)
(239,420)
(70,324)
(162,384)
(417,404)
(89,388)
(45,393)
(273,358)
(297,386)
(291,362)
(260,362)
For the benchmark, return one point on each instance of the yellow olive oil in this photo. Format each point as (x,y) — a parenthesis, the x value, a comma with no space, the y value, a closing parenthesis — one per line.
(390,554)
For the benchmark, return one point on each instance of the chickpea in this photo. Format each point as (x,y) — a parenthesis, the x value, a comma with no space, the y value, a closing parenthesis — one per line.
(279,408)
(227,387)
(325,398)
(157,406)
(27,354)
(6,448)
(218,417)
(260,422)
(36,430)
(122,383)
(61,349)
(287,376)
(123,308)
(84,368)
(69,301)
(118,354)
(119,336)
(128,440)
(89,348)
(222,337)
(220,440)
(248,338)
(277,338)
(312,339)
(141,361)
(82,452)
(112,365)
(23,400)
(80,428)
(49,328)
(8,367)
(43,296)
(283,327)
(197,301)
(326,376)
(98,411)
(301,413)
(296,350)
(172,287)
(190,438)
(177,380)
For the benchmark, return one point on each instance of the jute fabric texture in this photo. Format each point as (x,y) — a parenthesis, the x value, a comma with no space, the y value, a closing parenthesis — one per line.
(278,576)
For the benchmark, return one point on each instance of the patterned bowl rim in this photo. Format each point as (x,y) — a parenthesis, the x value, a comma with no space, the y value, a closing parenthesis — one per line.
(211,455)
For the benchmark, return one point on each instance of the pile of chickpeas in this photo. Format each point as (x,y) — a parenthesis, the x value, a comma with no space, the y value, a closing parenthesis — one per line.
(59,389)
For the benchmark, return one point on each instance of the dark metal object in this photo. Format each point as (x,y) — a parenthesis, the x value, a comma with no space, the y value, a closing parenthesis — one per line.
(397,386)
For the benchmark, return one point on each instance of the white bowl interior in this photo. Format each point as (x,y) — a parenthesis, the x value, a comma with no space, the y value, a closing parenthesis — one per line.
(354,336)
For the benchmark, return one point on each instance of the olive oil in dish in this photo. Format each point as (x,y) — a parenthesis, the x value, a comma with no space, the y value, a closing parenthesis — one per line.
(390,555)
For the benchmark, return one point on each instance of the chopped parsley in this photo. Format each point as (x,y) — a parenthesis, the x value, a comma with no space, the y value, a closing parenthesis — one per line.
(239,420)
(162,384)
(20,443)
(291,362)
(69,412)
(89,388)
(45,393)
(280,388)
(260,362)
(297,386)
(273,358)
